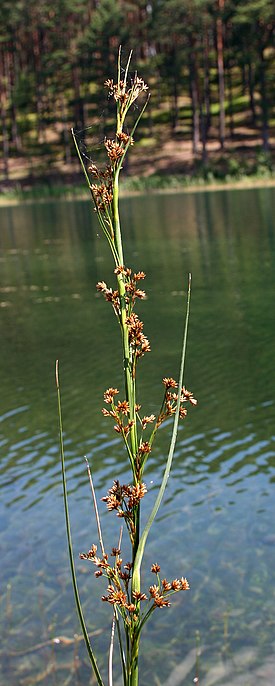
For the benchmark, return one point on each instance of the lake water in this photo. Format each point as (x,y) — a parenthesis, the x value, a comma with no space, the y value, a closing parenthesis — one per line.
(217,523)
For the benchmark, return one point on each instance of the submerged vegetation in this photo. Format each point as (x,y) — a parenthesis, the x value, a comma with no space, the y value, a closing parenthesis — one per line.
(131,605)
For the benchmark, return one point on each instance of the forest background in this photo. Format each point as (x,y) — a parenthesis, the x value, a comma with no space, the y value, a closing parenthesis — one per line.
(210,67)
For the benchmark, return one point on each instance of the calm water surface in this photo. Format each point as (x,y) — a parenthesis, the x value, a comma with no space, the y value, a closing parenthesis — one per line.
(217,525)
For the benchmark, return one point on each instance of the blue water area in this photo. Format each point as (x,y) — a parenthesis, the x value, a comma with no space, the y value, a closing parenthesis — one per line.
(217,522)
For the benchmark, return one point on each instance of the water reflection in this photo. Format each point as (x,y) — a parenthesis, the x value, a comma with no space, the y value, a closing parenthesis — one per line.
(217,523)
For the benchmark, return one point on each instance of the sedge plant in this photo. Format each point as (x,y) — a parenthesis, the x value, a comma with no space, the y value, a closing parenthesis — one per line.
(131,605)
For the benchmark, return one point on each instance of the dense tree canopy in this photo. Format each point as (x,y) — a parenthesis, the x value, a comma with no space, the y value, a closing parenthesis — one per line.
(210,66)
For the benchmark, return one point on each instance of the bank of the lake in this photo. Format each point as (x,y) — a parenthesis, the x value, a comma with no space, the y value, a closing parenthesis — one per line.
(136,186)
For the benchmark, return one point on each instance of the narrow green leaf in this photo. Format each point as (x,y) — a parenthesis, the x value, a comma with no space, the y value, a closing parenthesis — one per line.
(132,133)
(143,539)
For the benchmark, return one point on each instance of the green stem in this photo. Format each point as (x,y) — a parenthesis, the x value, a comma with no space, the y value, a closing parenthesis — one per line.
(133,674)
(128,375)
(130,387)
(122,657)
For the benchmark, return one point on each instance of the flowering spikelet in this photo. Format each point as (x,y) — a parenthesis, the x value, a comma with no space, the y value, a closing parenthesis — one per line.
(159,601)
(137,340)
(139,596)
(155,568)
(119,92)
(102,194)
(169,382)
(114,150)
(147,420)
(109,395)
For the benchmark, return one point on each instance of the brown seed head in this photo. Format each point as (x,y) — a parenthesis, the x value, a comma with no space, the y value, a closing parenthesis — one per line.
(184,584)
(169,382)
(176,585)
(114,150)
(123,407)
(144,448)
(115,551)
(140,294)
(147,420)
(139,596)
(183,412)
(139,275)
(155,568)
(116,597)
(159,601)
(166,585)
(154,591)
(131,607)
(137,492)
(109,395)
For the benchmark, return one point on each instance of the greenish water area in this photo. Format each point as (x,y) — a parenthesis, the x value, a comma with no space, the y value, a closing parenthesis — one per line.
(217,523)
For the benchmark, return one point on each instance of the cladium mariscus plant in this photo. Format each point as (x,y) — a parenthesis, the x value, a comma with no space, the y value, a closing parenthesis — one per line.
(131,605)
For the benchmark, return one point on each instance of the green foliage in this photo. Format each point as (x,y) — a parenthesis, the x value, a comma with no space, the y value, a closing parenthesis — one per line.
(52,55)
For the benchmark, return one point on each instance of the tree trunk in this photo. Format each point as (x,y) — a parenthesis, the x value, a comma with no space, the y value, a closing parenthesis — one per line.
(206,82)
(264,103)
(66,136)
(175,108)
(39,87)
(3,116)
(220,61)
(230,99)
(194,90)
(203,128)
(11,77)
(78,103)
(251,93)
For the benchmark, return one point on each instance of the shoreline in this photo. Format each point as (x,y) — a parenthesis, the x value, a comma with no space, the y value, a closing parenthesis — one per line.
(67,193)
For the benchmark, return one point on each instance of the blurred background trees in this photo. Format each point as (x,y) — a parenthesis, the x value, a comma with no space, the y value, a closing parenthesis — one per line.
(210,66)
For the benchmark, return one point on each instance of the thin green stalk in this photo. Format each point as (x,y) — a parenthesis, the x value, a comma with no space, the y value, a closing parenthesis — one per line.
(122,656)
(69,538)
(116,219)
(133,676)
(129,381)
(111,652)
(140,551)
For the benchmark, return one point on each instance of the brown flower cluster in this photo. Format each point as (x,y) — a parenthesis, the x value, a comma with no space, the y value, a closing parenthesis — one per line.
(126,96)
(102,190)
(114,150)
(124,498)
(170,400)
(131,289)
(109,295)
(124,138)
(119,412)
(119,576)
(138,342)
(164,588)
(131,280)
(147,420)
